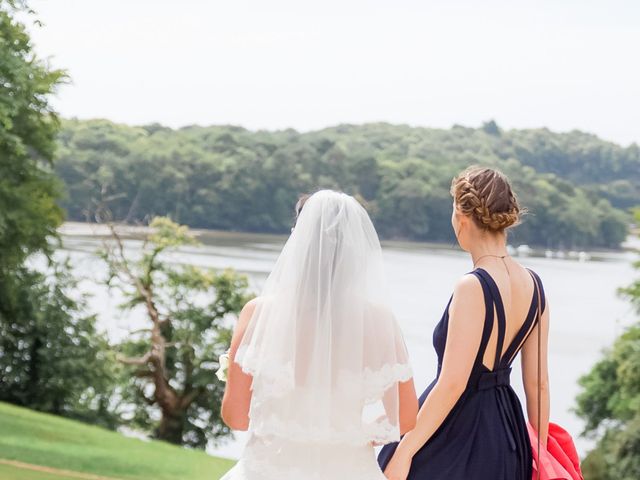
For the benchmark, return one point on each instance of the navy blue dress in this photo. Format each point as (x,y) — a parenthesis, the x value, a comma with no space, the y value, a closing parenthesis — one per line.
(484,437)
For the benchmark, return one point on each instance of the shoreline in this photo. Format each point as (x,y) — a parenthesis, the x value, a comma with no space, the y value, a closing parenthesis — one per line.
(95,230)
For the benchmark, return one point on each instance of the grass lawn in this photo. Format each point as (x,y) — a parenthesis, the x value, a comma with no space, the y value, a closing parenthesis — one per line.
(51,441)
(8,472)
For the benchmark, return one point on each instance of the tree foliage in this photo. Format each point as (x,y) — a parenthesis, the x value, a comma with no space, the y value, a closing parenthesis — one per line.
(610,404)
(51,356)
(170,378)
(28,126)
(233,179)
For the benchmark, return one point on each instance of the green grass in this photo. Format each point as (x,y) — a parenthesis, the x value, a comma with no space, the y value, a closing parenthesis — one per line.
(51,441)
(12,473)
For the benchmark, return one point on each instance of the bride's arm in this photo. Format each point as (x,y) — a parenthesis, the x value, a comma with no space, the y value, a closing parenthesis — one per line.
(237,393)
(406,401)
(466,321)
(408,405)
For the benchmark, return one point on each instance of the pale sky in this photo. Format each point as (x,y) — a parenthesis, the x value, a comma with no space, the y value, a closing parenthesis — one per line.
(307,64)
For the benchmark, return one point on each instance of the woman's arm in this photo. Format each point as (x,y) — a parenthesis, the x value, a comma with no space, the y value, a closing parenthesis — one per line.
(237,393)
(529,362)
(466,321)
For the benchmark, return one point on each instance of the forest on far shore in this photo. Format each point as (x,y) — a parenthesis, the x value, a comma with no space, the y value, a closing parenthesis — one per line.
(577,188)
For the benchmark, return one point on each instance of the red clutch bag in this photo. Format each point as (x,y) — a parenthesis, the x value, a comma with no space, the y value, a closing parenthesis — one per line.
(559,460)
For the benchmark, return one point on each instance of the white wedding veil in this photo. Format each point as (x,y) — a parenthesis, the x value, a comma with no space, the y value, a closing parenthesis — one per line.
(325,351)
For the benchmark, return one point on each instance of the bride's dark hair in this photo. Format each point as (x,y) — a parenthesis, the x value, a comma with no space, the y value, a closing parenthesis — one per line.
(302,199)
(300,203)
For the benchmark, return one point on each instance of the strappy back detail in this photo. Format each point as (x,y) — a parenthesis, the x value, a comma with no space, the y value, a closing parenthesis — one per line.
(488,318)
(493,299)
(484,436)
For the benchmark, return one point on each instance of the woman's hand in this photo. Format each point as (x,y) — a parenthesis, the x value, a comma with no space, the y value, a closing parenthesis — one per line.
(398,467)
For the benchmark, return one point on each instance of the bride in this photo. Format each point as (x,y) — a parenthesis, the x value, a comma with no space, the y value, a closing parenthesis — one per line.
(318,370)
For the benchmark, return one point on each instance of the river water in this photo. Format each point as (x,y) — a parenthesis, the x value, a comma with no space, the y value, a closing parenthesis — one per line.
(586,313)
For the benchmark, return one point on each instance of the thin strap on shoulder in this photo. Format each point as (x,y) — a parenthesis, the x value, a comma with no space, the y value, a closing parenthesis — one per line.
(502,320)
(488,316)
(530,322)
(543,298)
(539,309)
(525,330)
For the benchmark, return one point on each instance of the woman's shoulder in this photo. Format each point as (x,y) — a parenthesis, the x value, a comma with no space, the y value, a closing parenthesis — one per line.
(468,284)
(540,284)
(535,274)
(467,292)
(466,304)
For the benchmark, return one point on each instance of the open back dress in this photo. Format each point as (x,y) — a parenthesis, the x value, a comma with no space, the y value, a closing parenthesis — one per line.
(484,436)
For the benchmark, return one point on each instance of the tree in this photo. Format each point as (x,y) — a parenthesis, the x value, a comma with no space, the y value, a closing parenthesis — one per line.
(491,127)
(29,191)
(610,404)
(230,178)
(172,362)
(52,358)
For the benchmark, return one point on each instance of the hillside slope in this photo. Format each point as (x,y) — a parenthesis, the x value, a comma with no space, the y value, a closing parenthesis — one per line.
(574,185)
(46,440)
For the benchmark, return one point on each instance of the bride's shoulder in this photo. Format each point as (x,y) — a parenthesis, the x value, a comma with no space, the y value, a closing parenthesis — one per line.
(260,303)
(379,310)
(379,315)
(251,304)
(249,308)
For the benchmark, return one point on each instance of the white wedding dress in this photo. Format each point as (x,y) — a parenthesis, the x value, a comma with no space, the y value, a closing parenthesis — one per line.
(271,458)
(325,353)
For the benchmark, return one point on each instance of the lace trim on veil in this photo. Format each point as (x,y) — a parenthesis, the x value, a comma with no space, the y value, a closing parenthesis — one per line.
(376,382)
(273,380)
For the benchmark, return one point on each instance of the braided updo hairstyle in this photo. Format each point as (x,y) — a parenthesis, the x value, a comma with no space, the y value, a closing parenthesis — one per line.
(486,196)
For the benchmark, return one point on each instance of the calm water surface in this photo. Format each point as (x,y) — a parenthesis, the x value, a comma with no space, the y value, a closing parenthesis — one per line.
(586,313)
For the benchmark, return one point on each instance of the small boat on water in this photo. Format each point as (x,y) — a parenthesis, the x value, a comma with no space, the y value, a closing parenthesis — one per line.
(584,256)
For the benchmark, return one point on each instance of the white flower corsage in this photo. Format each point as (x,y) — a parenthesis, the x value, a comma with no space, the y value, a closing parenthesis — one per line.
(223,361)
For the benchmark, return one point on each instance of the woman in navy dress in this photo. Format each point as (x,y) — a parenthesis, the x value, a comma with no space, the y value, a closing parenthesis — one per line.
(471,424)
